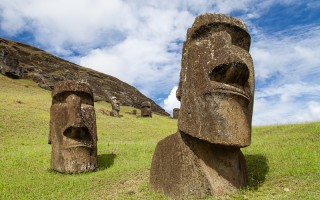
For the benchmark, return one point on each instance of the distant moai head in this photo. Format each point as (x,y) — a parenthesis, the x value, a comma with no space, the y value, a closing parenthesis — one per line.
(146,109)
(216,84)
(115,104)
(73,132)
(175,114)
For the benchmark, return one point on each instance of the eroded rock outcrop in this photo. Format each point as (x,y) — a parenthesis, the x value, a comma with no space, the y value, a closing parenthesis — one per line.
(9,65)
(18,60)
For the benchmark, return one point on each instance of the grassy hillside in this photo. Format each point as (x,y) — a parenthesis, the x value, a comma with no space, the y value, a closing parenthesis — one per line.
(283,161)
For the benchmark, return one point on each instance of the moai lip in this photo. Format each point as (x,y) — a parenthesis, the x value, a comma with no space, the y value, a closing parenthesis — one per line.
(73,132)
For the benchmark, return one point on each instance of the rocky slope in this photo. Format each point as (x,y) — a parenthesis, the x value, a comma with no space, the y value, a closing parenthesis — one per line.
(18,60)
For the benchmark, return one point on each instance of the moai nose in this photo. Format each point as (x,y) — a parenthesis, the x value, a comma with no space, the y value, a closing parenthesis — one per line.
(75,128)
(234,73)
(221,39)
(74,111)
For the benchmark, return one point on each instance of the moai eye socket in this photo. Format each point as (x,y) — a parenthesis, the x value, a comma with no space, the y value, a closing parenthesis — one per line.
(62,97)
(86,98)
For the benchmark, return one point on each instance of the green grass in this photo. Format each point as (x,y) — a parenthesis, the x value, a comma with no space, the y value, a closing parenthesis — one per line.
(283,161)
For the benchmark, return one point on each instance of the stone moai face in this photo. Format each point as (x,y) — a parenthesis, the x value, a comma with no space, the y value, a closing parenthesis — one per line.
(216,85)
(146,109)
(73,132)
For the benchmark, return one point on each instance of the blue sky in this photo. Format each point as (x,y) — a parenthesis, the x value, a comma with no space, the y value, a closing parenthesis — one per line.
(140,42)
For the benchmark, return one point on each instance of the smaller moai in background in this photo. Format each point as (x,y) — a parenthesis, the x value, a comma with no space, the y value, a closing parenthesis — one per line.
(73,131)
(115,107)
(175,113)
(146,109)
(134,112)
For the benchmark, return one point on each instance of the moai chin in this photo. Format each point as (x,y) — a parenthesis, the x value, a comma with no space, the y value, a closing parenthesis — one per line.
(146,109)
(115,107)
(216,91)
(73,132)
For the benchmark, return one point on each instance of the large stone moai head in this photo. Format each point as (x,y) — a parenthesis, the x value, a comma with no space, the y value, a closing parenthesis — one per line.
(146,109)
(217,81)
(73,132)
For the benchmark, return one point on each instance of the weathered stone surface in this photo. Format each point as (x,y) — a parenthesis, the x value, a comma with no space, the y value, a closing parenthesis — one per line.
(183,166)
(46,70)
(115,107)
(73,132)
(217,81)
(216,90)
(9,65)
(175,113)
(146,109)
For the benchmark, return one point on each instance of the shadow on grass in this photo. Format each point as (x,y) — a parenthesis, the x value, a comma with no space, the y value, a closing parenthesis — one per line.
(105,161)
(257,169)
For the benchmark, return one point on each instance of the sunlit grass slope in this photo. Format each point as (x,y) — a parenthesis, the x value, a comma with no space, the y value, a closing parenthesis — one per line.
(283,161)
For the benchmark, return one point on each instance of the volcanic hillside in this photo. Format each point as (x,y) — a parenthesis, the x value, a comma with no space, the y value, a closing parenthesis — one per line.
(18,60)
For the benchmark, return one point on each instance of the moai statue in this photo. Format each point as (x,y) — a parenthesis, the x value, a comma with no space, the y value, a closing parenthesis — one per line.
(175,113)
(73,132)
(216,91)
(146,109)
(115,107)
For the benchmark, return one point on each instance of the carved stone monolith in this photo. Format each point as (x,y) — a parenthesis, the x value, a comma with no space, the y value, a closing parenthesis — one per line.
(73,132)
(216,91)
(115,107)
(146,109)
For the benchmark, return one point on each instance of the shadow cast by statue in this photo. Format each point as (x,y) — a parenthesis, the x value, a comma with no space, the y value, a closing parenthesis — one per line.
(257,166)
(105,161)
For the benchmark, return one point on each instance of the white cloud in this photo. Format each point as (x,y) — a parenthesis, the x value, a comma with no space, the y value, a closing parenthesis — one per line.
(290,103)
(171,101)
(287,71)
(140,42)
(293,56)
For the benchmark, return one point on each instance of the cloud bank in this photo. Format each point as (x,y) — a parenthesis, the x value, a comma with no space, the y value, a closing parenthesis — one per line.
(140,43)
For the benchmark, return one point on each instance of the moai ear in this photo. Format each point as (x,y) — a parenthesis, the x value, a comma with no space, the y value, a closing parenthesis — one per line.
(182,73)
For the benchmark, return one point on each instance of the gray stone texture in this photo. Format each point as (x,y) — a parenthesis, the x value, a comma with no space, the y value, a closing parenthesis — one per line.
(9,65)
(184,166)
(216,91)
(73,132)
